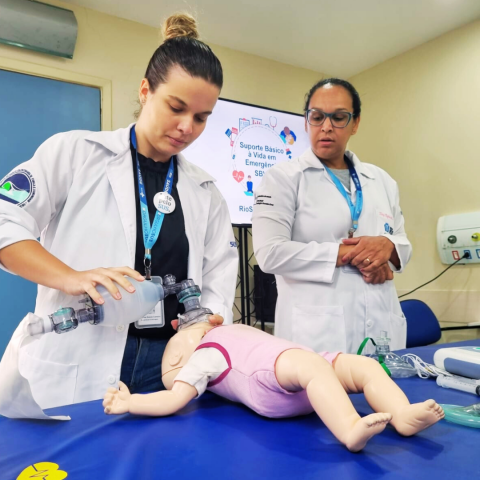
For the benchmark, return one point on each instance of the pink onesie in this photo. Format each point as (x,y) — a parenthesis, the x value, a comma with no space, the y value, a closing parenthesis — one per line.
(250,377)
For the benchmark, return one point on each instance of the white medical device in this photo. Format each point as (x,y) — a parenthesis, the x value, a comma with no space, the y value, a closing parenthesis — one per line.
(463,361)
(468,385)
(464,364)
(458,235)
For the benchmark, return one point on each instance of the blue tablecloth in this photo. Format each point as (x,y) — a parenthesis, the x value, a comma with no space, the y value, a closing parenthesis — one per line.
(213,438)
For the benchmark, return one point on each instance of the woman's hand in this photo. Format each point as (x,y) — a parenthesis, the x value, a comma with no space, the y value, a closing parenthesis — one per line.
(369,253)
(342,252)
(379,276)
(116,401)
(212,319)
(77,283)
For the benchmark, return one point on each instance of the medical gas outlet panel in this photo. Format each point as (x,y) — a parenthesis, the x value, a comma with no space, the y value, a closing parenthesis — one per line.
(459,235)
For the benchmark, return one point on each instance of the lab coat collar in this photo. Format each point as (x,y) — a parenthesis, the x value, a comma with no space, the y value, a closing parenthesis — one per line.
(120,174)
(118,142)
(360,167)
(310,160)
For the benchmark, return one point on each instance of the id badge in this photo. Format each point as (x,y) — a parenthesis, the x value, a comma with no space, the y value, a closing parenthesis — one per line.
(154,319)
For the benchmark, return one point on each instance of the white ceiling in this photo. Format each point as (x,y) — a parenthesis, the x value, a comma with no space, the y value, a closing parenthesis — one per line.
(337,37)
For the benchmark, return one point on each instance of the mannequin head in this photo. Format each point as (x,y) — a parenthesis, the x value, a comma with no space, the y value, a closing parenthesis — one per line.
(180,348)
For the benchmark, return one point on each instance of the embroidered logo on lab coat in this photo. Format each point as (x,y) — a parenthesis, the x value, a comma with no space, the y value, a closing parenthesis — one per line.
(18,187)
(264,200)
(388,229)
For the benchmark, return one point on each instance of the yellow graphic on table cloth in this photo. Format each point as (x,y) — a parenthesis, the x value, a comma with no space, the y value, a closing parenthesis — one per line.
(43,471)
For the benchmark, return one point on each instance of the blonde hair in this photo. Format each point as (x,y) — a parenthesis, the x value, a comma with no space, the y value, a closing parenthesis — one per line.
(180,25)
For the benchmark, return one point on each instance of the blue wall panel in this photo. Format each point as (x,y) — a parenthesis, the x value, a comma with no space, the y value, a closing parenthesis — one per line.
(31,110)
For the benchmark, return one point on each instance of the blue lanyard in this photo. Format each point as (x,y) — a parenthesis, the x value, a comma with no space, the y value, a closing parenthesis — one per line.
(355,210)
(150,234)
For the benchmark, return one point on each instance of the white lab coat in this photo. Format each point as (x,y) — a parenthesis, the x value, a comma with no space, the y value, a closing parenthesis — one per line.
(84,211)
(299,220)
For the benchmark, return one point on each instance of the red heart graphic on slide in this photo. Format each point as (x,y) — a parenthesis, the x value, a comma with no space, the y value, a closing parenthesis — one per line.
(238,176)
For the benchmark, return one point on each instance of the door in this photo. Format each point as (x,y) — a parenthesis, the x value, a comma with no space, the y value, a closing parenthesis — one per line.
(31,110)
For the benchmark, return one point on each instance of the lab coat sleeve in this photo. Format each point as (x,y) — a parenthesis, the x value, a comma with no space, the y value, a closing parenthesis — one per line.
(272,221)
(399,237)
(51,172)
(220,260)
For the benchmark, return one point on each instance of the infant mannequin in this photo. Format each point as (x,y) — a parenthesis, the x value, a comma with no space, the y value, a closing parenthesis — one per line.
(277,378)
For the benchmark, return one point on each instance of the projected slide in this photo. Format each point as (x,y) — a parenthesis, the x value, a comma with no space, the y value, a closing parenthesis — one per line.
(240,143)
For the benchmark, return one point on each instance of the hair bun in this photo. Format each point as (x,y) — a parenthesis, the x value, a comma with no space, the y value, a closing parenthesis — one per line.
(180,25)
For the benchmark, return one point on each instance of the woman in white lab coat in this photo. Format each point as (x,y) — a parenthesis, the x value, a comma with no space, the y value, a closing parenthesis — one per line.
(82,194)
(333,291)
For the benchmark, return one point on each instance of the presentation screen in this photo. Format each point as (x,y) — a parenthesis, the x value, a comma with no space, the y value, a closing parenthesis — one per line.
(239,144)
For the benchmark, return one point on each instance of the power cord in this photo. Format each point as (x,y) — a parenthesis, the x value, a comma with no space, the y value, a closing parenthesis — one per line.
(424,369)
(433,279)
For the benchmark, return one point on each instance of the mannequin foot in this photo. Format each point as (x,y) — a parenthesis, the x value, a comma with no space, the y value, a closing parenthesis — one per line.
(365,428)
(417,417)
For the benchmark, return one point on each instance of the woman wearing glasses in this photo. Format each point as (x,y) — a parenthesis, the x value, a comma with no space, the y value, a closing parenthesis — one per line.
(331,229)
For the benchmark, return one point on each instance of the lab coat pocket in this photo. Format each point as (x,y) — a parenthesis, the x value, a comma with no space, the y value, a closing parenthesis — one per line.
(397,332)
(53,384)
(321,328)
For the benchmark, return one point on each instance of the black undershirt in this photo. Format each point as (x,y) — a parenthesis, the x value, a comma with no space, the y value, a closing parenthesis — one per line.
(170,252)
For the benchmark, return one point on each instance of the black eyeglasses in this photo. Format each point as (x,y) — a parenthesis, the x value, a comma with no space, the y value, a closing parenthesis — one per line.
(316,118)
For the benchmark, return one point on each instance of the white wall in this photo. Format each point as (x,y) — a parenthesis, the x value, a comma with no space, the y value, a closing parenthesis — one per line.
(420,122)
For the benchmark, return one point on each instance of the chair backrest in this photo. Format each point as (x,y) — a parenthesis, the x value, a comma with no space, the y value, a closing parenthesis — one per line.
(422,324)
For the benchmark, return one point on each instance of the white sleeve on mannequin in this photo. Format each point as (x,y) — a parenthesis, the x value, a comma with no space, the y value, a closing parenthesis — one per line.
(204,366)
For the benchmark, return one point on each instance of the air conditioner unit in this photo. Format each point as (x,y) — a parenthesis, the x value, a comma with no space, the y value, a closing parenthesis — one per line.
(38,26)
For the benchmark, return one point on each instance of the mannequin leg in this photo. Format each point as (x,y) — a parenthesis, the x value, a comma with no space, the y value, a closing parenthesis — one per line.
(301,370)
(362,374)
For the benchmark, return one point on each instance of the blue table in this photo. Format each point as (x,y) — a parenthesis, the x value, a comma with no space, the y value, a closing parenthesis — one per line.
(215,439)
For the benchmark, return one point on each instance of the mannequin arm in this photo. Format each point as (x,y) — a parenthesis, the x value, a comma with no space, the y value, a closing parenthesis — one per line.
(165,402)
